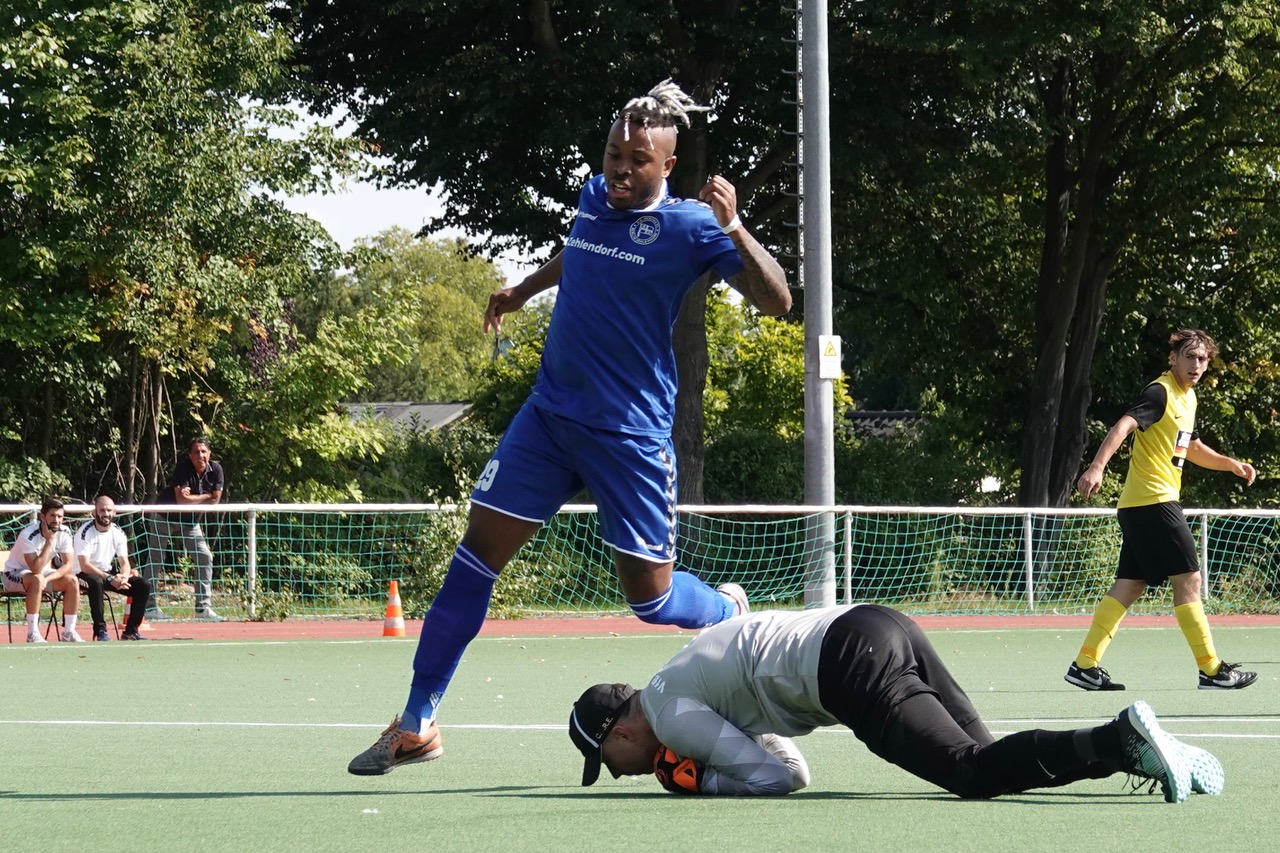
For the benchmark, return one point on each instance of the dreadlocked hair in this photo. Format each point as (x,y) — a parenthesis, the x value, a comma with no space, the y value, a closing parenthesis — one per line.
(664,106)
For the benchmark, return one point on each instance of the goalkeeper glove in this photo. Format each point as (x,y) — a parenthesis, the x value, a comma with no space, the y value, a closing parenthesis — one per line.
(676,774)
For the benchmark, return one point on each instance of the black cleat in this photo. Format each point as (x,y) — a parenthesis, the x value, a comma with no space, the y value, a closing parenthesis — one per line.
(1093,678)
(1228,677)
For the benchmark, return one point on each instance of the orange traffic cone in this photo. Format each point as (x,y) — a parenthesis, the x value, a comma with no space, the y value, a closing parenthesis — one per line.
(394,625)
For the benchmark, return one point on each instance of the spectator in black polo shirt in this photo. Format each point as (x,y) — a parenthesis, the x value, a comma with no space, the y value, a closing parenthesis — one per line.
(196,480)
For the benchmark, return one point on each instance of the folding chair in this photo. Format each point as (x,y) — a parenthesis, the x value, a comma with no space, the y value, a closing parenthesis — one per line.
(9,598)
(55,601)
(8,610)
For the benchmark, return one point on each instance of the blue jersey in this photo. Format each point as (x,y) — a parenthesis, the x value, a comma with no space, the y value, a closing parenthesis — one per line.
(608,361)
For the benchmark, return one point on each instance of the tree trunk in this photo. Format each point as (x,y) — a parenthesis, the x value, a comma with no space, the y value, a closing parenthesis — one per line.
(128,475)
(151,400)
(1040,432)
(47,415)
(1077,393)
(1053,433)
(1050,300)
(691,363)
(689,339)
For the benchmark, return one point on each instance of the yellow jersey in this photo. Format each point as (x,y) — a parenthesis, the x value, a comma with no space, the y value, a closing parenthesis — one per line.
(1166,416)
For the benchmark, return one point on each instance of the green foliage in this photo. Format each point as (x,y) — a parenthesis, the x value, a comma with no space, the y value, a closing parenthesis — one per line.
(897,470)
(911,467)
(290,437)
(469,77)
(1237,415)
(754,466)
(441,465)
(754,405)
(273,606)
(29,480)
(1047,203)
(441,291)
(140,234)
(428,465)
(756,378)
(508,379)
(429,551)
(932,463)
(992,174)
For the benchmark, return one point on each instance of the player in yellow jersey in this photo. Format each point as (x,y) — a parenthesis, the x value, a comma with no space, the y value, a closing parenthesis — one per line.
(1157,544)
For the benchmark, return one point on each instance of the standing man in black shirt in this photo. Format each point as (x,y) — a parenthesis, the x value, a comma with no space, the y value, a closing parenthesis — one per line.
(196,480)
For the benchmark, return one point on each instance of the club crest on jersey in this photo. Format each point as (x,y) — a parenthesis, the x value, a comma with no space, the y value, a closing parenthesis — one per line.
(645,230)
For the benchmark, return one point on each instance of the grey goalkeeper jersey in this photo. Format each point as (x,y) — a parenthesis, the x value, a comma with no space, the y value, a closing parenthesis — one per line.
(733,697)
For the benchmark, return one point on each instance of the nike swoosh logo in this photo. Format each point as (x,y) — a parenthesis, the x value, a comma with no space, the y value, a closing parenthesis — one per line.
(402,753)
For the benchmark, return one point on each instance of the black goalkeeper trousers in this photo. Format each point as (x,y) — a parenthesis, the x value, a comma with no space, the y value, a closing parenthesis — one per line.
(880,676)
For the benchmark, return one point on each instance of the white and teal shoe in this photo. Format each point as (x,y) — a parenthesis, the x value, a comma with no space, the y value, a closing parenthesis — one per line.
(1149,752)
(1207,776)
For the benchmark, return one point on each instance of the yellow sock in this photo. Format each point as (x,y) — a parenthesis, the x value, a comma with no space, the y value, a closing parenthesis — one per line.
(1195,627)
(1106,620)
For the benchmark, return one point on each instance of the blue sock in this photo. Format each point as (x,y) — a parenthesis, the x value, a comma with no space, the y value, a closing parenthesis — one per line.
(451,623)
(688,603)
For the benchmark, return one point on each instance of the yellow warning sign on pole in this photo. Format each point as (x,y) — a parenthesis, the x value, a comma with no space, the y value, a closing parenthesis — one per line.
(828,356)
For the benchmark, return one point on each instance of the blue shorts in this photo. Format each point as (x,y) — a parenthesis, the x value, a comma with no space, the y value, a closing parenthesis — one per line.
(544,460)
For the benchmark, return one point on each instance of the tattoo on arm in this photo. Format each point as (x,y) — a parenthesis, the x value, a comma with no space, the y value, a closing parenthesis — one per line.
(762,281)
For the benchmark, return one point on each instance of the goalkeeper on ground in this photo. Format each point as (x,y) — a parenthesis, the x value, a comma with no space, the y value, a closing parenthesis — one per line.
(718,717)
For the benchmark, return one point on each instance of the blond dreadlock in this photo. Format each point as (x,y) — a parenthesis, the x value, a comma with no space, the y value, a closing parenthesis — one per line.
(665,105)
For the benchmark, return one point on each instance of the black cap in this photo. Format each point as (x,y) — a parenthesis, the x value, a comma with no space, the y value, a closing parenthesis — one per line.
(593,716)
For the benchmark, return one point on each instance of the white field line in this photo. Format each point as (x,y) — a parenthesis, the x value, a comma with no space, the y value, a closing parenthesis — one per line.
(683,636)
(998,727)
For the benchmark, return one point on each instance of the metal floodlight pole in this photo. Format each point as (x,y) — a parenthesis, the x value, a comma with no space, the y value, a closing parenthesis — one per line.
(815,202)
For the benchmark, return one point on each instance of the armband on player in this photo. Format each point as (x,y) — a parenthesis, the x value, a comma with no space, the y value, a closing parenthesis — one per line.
(676,774)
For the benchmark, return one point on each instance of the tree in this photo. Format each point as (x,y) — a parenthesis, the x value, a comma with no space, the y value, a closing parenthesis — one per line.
(754,405)
(139,237)
(1017,174)
(284,424)
(1156,127)
(755,427)
(756,377)
(1026,201)
(505,105)
(441,290)
(506,380)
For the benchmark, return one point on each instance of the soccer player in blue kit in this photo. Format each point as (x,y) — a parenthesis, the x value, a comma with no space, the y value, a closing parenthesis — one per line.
(600,414)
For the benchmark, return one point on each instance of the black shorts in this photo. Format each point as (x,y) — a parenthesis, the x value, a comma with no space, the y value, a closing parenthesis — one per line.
(1157,543)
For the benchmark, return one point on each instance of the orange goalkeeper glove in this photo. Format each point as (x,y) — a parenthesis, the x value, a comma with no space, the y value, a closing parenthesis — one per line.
(676,774)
